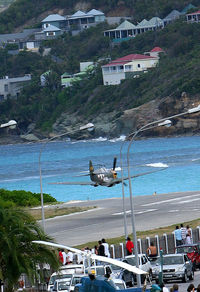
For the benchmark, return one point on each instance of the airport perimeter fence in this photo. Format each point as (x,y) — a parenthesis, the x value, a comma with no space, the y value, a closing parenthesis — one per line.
(166,242)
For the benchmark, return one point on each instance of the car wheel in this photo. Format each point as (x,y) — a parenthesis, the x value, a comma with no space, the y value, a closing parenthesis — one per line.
(184,279)
(191,277)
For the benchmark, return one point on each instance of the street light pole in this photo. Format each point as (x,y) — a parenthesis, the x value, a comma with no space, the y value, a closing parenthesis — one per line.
(166,123)
(89,127)
(161,122)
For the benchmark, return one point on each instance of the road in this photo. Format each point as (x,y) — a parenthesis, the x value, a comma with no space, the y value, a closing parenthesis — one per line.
(183,286)
(106,220)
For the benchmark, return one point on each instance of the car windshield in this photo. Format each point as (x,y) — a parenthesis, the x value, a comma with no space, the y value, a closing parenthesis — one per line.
(63,285)
(76,280)
(130,261)
(185,249)
(173,260)
(55,277)
(115,268)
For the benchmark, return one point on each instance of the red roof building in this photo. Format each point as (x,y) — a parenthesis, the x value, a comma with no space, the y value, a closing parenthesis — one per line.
(124,67)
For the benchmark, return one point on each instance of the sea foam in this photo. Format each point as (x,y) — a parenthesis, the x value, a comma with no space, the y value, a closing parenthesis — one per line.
(157,164)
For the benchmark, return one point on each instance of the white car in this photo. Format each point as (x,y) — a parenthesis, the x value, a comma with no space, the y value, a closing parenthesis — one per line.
(144,264)
(66,271)
(61,285)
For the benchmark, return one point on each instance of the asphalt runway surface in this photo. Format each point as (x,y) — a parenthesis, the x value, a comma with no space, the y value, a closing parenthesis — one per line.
(107,220)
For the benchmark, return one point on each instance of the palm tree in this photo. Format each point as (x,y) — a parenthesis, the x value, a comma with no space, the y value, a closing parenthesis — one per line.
(18,254)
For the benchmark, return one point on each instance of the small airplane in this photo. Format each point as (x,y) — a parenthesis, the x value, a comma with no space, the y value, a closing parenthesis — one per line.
(103,176)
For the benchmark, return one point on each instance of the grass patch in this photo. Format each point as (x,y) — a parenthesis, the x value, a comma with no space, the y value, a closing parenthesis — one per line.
(57,211)
(143,234)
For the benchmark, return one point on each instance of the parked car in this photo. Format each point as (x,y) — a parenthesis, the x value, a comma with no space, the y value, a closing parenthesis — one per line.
(128,277)
(61,285)
(144,263)
(192,251)
(175,267)
(65,272)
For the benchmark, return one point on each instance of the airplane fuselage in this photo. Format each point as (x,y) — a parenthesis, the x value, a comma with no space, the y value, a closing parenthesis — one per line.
(104,178)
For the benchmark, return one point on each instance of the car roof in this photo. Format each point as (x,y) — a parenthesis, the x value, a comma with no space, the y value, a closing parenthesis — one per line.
(186,245)
(173,255)
(132,255)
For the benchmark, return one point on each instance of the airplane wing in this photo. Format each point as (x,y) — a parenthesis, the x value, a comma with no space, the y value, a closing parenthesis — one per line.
(119,180)
(52,244)
(82,183)
(115,262)
(120,264)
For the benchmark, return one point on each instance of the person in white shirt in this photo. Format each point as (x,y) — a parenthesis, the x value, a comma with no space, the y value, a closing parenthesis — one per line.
(183,233)
(64,257)
(69,257)
(106,248)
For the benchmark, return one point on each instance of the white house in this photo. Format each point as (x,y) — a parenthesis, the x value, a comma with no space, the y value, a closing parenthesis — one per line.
(12,86)
(193,17)
(129,66)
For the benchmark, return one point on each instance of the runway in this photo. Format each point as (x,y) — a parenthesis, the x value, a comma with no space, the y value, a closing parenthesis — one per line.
(107,220)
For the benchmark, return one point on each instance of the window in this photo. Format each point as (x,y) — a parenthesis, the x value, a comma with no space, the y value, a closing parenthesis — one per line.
(6,87)
(51,33)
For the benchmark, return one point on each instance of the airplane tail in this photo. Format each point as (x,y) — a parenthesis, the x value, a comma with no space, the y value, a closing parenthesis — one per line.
(91,168)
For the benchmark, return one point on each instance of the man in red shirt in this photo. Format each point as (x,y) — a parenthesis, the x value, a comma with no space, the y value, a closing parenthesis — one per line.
(129,246)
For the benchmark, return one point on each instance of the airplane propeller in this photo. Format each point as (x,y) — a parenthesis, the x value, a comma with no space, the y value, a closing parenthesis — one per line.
(114,163)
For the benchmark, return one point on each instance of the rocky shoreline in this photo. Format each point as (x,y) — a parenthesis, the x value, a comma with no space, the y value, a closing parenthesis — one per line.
(115,124)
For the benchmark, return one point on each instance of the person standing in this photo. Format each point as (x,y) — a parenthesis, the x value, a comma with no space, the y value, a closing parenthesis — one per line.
(178,236)
(64,257)
(60,256)
(101,249)
(106,248)
(188,235)
(152,250)
(70,257)
(183,233)
(129,246)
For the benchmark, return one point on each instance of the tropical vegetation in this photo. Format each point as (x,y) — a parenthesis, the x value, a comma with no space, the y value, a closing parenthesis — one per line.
(18,253)
(23,198)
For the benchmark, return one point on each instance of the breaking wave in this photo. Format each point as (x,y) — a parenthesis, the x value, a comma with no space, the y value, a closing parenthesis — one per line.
(158,164)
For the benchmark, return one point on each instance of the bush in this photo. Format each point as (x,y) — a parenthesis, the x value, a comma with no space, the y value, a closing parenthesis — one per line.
(23,198)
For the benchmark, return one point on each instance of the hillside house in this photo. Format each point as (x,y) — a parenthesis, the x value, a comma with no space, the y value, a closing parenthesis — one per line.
(173,15)
(193,17)
(155,52)
(55,20)
(12,86)
(68,79)
(130,66)
(81,20)
(127,30)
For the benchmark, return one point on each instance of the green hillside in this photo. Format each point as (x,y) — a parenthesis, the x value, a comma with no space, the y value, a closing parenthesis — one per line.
(22,11)
(177,71)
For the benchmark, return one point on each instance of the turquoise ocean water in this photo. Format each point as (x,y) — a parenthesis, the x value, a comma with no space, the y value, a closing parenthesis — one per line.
(63,161)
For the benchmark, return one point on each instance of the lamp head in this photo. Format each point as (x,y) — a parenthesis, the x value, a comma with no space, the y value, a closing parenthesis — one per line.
(12,124)
(194,110)
(166,123)
(88,126)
